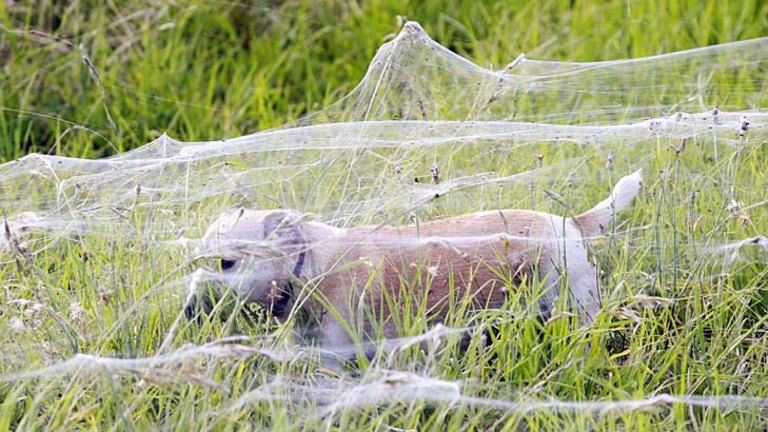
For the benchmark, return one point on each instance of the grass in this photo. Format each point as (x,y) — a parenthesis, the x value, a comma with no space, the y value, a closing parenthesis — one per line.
(87,80)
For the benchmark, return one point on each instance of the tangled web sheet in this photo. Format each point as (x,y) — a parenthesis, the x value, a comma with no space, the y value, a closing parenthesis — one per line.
(99,253)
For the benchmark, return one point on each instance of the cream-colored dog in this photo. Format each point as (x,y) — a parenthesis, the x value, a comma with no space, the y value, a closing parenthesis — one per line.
(278,259)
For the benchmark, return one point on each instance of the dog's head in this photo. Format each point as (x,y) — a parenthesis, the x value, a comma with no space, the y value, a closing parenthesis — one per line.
(258,255)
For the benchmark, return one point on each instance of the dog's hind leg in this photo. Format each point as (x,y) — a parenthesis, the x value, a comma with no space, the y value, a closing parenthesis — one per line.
(585,291)
(550,283)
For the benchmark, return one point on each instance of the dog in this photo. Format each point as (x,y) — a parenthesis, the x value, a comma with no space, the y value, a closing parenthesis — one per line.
(354,278)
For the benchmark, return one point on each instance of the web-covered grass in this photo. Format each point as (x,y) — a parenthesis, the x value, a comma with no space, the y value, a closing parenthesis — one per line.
(98,254)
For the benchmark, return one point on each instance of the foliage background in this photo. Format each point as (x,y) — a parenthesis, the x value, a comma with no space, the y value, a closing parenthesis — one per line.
(206,70)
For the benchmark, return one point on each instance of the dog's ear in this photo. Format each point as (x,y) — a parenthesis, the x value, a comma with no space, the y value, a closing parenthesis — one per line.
(278,219)
(283,227)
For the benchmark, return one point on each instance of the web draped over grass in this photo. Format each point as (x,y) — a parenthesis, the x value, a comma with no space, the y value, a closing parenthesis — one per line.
(98,254)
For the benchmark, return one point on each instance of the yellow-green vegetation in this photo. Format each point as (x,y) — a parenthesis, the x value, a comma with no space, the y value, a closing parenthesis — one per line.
(96,258)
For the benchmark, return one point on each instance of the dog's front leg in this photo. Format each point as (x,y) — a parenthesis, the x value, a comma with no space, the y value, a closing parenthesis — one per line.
(198,300)
(337,347)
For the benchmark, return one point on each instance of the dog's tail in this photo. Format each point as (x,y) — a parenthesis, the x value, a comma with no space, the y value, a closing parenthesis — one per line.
(594,221)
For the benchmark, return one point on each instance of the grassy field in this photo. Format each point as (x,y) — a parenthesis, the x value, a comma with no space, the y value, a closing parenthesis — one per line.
(682,343)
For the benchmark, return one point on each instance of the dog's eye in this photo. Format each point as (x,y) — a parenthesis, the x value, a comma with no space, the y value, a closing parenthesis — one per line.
(227,264)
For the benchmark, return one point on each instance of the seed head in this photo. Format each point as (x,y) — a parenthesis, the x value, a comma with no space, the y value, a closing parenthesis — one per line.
(435,172)
(743,126)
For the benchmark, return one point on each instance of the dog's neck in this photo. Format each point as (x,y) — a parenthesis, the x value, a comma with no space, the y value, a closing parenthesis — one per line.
(320,242)
(281,301)
(310,263)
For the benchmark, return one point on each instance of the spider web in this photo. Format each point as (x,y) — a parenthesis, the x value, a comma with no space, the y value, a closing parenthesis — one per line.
(425,134)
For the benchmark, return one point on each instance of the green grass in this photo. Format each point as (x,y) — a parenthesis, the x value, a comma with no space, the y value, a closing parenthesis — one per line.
(212,70)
